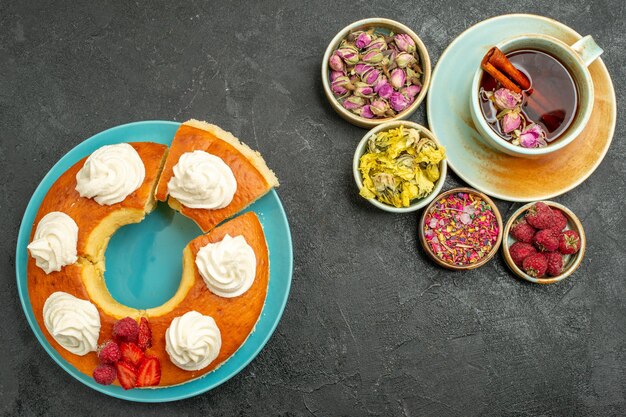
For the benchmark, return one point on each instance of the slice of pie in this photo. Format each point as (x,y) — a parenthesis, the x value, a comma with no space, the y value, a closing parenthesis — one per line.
(231,177)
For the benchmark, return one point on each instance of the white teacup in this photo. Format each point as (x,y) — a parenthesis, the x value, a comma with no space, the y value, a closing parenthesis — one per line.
(576,58)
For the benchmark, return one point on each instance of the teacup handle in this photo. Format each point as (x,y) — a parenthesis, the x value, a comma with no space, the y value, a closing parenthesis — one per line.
(587,49)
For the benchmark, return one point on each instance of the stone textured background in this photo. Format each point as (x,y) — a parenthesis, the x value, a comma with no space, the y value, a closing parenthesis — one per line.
(372,327)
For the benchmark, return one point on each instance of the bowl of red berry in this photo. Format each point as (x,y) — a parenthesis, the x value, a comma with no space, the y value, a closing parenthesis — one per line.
(544,242)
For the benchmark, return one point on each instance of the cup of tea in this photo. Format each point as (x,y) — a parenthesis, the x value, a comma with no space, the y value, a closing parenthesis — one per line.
(548,109)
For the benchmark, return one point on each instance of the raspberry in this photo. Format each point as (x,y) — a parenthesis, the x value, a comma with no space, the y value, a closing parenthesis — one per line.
(520,251)
(540,216)
(522,231)
(126,330)
(560,221)
(547,240)
(555,264)
(104,374)
(569,242)
(536,265)
(109,353)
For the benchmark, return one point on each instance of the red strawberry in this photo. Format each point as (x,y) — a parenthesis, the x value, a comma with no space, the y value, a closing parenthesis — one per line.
(104,374)
(536,265)
(555,264)
(149,372)
(540,216)
(109,353)
(126,375)
(520,251)
(547,240)
(522,231)
(560,221)
(144,340)
(125,330)
(569,242)
(131,353)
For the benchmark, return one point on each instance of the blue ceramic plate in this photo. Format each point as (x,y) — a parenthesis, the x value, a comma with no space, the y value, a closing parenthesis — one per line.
(494,173)
(151,252)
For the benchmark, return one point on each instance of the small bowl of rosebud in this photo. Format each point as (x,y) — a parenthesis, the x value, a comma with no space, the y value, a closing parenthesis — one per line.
(544,242)
(375,71)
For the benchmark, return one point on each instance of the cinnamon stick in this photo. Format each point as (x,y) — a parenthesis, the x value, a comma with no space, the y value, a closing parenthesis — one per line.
(496,64)
(496,58)
(500,77)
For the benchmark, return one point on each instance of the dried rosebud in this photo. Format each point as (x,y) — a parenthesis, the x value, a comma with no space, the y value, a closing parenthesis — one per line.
(398,78)
(361,69)
(533,137)
(336,74)
(404,59)
(371,77)
(364,111)
(506,99)
(353,102)
(363,90)
(399,101)
(349,54)
(378,43)
(405,43)
(511,121)
(379,107)
(335,62)
(412,90)
(372,56)
(384,91)
(340,85)
(412,76)
(363,40)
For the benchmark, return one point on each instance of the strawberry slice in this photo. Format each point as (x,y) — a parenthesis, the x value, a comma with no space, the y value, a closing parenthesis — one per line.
(131,353)
(145,334)
(149,372)
(126,375)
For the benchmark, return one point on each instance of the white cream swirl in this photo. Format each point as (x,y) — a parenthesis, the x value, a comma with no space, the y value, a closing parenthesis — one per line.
(228,267)
(111,174)
(54,242)
(193,341)
(202,180)
(74,323)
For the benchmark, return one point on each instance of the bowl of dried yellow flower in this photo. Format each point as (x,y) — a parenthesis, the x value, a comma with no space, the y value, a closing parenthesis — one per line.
(399,166)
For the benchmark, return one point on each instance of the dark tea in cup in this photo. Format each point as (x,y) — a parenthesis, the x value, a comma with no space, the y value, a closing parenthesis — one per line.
(540,110)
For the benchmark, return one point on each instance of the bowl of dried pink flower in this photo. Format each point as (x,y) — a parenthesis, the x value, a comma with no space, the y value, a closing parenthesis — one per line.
(374,71)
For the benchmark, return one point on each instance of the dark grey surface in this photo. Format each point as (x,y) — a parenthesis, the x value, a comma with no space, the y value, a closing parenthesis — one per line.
(372,327)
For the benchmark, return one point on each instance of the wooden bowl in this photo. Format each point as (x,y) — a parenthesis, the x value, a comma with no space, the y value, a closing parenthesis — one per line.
(485,259)
(386,24)
(570,262)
